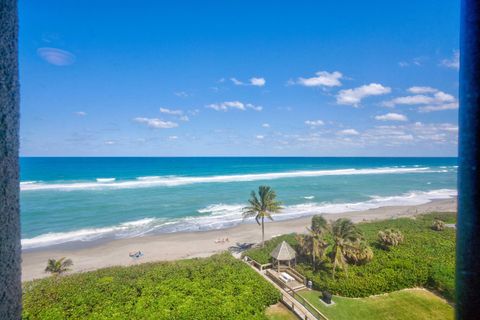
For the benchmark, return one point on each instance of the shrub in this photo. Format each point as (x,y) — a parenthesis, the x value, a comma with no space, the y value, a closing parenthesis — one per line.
(359,253)
(390,237)
(438,225)
(219,287)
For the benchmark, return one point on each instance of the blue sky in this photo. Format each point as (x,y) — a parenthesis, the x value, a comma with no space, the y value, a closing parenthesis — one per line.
(264,78)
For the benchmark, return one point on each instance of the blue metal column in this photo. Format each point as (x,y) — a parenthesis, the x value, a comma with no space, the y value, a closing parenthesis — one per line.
(468,226)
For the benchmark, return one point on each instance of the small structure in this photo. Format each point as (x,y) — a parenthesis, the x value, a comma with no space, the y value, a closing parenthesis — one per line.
(285,254)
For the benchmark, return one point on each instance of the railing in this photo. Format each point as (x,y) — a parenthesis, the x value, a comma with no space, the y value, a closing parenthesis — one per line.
(279,282)
(287,290)
(316,313)
(257,264)
(297,275)
(291,292)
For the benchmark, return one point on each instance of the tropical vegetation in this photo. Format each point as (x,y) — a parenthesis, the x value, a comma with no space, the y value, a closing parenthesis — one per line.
(57,267)
(314,243)
(262,206)
(219,287)
(438,225)
(390,237)
(345,236)
(426,258)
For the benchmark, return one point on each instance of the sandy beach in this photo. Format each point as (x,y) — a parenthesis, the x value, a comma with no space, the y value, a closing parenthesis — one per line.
(175,246)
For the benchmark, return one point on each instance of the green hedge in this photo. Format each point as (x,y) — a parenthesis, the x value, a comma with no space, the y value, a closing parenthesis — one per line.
(219,287)
(426,259)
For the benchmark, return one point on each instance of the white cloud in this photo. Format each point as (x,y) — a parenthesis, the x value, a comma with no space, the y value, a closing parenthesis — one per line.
(259,137)
(236,82)
(322,79)
(227,105)
(259,82)
(171,112)
(391,117)
(156,123)
(56,56)
(80,113)
(181,94)
(417,61)
(172,137)
(254,81)
(409,100)
(355,96)
(314,123)
(440,107)
(184,118)
(448,127)
(417,133)
(110,142)
(453,62)
(266,125)
(437,101)
(348,132)
(422,90)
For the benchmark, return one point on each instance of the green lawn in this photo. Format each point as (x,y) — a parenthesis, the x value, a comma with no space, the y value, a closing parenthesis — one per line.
(218,287)
(400,305)
(279,312)
(425,259)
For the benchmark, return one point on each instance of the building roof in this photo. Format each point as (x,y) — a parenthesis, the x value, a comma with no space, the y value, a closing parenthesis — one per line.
(283,252)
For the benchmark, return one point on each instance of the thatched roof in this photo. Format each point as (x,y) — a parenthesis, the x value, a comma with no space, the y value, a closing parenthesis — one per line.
(283,252)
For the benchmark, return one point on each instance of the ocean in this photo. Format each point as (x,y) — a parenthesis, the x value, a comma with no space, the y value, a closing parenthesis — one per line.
(78,200)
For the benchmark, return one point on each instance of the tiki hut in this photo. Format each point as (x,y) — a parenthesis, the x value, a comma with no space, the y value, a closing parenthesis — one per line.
(283,254)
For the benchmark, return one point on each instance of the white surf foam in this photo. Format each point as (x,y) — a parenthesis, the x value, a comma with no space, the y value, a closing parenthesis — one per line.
(170,181)
(219,216)
(106,179)
(126,229)
(26,183)
(308,197)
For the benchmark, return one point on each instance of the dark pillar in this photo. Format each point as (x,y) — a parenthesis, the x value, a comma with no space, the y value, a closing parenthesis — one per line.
(468,227)
(10,284)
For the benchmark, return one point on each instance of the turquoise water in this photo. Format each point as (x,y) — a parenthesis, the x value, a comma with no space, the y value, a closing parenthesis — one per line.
(65,200)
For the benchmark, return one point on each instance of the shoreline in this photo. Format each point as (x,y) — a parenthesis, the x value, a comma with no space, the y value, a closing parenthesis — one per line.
(184,245)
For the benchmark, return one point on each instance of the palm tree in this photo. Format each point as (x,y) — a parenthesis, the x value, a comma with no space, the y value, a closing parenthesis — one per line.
(262,207)
(59,266)
(359,253)
(345,234)
(314,244)
(317,233)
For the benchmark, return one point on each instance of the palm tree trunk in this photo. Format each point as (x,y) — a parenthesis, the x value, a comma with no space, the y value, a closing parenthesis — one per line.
(263,232)
(335,248)
(334,268)
(313,255)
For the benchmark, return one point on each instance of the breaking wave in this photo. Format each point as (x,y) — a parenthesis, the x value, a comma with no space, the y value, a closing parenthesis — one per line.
(220,216)
(171,181)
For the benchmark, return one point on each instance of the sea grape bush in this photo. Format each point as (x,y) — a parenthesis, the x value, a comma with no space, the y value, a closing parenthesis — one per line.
(219,287)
